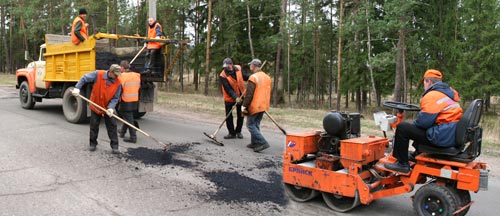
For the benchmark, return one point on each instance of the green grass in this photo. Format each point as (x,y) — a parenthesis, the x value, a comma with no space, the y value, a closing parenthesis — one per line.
(7,79)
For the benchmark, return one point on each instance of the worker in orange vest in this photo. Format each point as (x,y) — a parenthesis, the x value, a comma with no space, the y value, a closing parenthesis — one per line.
(129,102)
(155,31)
(257,101)
(105,93)
(79,28)
(233,80)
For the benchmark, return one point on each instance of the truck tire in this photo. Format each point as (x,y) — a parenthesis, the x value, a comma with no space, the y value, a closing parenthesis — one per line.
(74,108)
(25,96)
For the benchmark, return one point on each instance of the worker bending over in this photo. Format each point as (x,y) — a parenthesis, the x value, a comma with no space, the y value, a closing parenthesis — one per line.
(105,93)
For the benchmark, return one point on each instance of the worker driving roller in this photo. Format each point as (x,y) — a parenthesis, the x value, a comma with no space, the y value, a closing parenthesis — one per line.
(435,123)
(233,80)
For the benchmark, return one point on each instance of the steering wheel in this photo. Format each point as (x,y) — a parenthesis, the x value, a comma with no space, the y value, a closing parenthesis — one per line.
(401,106)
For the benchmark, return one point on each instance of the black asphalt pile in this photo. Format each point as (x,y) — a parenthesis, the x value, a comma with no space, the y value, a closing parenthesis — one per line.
(234,187)
(268,163)
(157,157)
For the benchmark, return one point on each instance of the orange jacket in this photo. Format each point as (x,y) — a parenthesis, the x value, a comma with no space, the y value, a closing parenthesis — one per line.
(439,114)
(131,83)
(83,30)
(261,100)
(237,85)
(152,34)
(101,93)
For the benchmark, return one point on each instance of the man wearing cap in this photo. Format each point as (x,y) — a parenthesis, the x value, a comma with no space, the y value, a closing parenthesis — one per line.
(435,124)
(233,80)
(106,93)
(129,101)
(79,28)
(155,31)
(257,101)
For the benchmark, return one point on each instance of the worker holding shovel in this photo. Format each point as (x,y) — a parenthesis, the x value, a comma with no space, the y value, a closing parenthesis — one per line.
(256,103)
(106,93)
(233,80)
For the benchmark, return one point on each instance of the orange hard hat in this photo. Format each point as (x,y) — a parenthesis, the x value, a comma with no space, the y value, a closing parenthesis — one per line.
(431,73)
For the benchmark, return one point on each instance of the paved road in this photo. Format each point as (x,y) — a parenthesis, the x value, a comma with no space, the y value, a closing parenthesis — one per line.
(45,169)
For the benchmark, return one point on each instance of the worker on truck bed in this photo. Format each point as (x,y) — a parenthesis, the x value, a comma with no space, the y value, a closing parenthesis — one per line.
(257,101)
(435,124)
(105,93)
(129,102)
(233,80)
(79,28)
(155,31)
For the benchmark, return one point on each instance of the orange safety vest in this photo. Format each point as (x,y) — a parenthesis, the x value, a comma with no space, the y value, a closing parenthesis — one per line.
(101,93)
(261,100)
(83,31)
(131,83)
(237,85)
(152,34)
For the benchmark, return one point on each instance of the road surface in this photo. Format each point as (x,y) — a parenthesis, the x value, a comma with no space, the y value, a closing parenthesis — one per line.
(46,169)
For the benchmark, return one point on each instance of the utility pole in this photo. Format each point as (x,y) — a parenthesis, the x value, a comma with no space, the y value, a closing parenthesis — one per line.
(152,9)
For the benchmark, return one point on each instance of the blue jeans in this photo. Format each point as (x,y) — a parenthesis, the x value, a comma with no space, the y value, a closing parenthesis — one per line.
(253,125)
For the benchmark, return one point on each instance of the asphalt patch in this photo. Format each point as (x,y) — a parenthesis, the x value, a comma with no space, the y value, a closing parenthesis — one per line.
(268,163)
(157,157)
(234,187)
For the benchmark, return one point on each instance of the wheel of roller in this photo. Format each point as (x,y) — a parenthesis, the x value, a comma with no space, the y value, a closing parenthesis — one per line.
(300,194)
(340,203)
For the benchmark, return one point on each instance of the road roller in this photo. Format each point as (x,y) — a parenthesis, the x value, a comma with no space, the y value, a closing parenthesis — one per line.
(347,168)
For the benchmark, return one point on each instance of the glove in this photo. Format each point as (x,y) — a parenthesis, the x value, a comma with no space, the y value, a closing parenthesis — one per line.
(244,111)
(157,37)
(75,92)
(145,44)
(110,112)
(239,100)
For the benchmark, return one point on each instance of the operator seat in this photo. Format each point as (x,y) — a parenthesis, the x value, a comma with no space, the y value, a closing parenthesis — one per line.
(468,136)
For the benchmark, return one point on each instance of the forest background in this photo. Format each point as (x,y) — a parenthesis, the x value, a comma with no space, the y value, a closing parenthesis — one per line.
(321,54)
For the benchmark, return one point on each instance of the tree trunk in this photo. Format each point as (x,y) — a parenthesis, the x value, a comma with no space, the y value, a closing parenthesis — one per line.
(207,54)
(316,55)
(330,83)
(288,62)
(2,37)
(182,56)
(339,55)
(369,44)
(277,69)
(400,82)
(196,44)
(250,29)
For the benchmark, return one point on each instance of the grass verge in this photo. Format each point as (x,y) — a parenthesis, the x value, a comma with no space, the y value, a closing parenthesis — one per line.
(7,79)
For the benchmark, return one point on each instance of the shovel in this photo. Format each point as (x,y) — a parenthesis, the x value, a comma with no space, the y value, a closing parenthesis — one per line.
(165,146)
(212,136)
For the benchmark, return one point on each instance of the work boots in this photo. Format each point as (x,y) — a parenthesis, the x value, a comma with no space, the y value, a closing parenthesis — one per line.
(230,136)
(130,140)
(398,167)
(239,135)
(261,147)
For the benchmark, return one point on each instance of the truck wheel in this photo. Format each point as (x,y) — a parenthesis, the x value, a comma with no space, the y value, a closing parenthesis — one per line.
(25,96)
(74,109)
(434,199)
(138,115)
